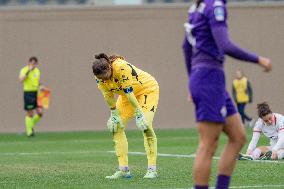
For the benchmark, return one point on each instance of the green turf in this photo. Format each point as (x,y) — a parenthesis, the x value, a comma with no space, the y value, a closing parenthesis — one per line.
(77,160)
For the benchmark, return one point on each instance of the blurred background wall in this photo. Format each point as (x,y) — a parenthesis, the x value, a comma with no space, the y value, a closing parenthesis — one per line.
(65,40)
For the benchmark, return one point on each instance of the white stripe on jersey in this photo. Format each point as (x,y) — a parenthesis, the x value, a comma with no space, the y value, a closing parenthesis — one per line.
(200,9)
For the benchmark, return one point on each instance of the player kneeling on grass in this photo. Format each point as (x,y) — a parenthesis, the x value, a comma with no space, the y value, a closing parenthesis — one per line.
(272,126)
(138,95)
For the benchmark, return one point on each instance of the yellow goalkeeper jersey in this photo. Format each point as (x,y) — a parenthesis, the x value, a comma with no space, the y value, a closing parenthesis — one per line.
(127,78)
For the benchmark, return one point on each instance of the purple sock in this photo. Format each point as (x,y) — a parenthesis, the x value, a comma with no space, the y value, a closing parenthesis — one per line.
(223,182)
(200,187)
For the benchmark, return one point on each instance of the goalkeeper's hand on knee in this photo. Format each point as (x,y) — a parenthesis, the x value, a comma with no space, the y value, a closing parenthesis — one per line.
(114,121)
(140,120)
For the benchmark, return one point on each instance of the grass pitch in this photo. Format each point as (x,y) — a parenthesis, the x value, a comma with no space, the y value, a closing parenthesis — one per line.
(81,160)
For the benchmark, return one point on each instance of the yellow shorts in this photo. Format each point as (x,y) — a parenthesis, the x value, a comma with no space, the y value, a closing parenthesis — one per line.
(147,101)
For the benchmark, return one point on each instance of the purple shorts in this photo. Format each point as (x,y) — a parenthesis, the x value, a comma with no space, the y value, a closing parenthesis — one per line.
(208,91)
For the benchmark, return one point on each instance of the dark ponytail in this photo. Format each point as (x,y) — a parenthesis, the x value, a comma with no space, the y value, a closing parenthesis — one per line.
(102,55)
(263,109)
(198,2)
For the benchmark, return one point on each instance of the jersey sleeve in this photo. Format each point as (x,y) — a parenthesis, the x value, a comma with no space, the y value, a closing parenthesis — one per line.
(103,88)
(23,72)
(254,141)
(124,74)
(217,14)
(258,126)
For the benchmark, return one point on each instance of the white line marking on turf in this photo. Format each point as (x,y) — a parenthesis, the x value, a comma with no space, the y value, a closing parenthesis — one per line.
(165,155)
(130,153)
(193,156)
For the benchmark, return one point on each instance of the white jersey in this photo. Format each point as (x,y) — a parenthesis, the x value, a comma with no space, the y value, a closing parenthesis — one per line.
(270,131)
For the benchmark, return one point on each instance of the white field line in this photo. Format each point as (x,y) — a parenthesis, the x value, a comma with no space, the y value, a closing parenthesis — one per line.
(142,153)
(5,143)
(193,156)
(130,153)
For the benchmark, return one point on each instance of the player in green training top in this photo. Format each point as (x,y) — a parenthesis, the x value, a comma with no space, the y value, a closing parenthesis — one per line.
(30,77)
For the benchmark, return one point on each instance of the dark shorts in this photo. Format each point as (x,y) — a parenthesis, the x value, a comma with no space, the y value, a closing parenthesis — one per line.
(30,100)
(208,91)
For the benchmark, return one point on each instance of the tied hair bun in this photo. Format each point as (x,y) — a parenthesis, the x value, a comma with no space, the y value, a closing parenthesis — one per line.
(101,55)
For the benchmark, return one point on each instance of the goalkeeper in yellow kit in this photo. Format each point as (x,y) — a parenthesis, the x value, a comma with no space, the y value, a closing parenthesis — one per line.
(138,95)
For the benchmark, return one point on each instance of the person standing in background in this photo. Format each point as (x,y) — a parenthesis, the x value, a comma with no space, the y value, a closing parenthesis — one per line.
(242,93)
(205,45)
(30,77)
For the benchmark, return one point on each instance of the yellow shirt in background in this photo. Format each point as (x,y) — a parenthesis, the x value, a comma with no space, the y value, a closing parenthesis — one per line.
(125,75)
(31,83)
(241,88)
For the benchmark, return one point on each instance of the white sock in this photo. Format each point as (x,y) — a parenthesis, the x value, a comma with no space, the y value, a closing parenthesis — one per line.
(152,167)
(256,153)
(280,154)
(124,168)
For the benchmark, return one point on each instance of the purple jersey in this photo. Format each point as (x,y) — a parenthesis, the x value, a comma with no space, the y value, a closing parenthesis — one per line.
(206,41)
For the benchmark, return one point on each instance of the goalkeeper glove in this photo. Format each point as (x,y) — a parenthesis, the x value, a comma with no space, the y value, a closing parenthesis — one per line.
(140,120)
(114,121)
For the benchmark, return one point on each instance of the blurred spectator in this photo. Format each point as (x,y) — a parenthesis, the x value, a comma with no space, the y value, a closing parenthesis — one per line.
(242,93)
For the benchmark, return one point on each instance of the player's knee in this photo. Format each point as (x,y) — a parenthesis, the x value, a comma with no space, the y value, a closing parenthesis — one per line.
(118,134)
(149,133)
(239,141)
(208,148)
(30,113)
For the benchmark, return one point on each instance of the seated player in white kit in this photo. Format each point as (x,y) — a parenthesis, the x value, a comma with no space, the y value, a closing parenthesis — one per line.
(272,126)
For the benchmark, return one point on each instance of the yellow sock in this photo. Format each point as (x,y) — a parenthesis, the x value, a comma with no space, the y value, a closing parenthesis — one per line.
(150,141)
(29,125)
(150,144)
(36,119)
(121,147)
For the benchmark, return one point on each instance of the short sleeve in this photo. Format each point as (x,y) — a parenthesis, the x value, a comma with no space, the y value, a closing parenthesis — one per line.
(23,72)
(101,85)
(217,14)
(124,75)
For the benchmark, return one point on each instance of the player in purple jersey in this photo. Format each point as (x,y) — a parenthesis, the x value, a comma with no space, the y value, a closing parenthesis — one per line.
(205,46)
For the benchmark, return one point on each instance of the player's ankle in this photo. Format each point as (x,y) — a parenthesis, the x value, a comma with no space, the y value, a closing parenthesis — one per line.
(152,168)
(123,168)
